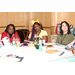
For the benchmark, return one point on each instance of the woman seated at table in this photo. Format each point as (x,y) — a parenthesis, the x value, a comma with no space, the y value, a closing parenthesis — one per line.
(65,37)
(10,33)
(37,32)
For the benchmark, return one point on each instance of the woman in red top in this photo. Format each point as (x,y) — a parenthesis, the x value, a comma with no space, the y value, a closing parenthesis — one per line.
(10,33)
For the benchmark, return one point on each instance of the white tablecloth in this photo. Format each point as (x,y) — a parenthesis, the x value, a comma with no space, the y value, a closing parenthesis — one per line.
(31,54)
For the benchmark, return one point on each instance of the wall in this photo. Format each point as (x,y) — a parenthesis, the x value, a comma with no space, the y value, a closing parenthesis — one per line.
(19,19)
(67,16)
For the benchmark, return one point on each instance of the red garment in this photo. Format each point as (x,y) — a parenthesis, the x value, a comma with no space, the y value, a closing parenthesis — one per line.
(5,34)
(56,30)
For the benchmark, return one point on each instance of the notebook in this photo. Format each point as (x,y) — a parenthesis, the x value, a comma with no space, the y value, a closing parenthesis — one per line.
(9,59)
(51,51)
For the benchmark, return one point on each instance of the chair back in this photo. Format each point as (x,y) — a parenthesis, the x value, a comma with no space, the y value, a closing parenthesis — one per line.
(26,34)
(21,34)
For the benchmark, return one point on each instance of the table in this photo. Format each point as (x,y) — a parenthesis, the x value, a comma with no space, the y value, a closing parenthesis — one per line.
(31,54)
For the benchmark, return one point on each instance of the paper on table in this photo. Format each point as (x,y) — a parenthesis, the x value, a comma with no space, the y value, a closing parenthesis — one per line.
(51,51)
(9,59)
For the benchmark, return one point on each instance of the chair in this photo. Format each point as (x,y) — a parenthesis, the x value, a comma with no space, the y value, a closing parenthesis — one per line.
(21,34)
(26,34)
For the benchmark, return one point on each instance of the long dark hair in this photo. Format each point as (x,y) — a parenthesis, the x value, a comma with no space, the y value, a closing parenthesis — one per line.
(61,31)
(10,25)
(33,30)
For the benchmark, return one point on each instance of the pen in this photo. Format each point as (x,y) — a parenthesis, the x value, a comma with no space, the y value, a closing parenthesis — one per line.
(62,53)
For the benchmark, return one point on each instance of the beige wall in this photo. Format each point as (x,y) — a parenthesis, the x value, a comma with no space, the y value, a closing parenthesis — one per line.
(22,20)
(58,17)
(44,18)
(19,19)
(67,16)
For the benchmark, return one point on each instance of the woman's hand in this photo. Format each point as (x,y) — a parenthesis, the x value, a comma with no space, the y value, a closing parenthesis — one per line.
(53,41)
(74,52)
(45,38)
